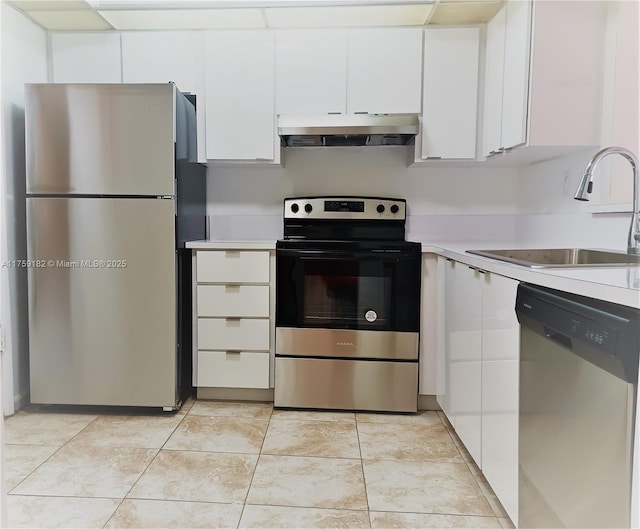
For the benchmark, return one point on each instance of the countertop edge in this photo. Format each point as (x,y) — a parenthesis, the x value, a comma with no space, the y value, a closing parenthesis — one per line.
(591,282)
(231,245)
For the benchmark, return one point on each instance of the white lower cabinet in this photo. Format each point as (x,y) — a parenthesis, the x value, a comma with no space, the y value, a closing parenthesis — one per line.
(500,383)
(478,372)
(233,369)
(233,328)
(463,346)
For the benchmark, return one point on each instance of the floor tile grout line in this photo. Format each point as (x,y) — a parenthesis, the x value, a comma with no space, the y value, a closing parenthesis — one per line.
(364,479)
(145,469)
(54,452)
(246,496)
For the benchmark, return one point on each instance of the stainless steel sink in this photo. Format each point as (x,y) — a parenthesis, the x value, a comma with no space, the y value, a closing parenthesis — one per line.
(561,257)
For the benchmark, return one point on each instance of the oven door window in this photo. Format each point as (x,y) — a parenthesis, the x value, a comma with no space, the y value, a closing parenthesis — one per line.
(346,294)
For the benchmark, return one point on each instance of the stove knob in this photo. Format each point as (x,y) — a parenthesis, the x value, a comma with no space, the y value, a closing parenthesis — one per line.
(380,208)
(308,208)
(295,207)
(394,208)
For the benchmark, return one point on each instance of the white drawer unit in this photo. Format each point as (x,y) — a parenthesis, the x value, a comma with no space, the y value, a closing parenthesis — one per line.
(233,266)
(235,334)
(233,369)
(223,301)
(234,319)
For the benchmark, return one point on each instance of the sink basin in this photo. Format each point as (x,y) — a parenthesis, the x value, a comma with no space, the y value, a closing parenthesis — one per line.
(561,257)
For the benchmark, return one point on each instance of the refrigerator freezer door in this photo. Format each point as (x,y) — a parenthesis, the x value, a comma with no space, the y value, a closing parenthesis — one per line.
(100,139)
(102,301)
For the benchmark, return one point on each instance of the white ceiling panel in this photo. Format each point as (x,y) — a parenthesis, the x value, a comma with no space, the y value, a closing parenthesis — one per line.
(184,19)
(338,16)
(50,5)
(77,20)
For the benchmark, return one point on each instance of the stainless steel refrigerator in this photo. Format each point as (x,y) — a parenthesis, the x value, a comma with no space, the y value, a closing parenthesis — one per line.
(113,193)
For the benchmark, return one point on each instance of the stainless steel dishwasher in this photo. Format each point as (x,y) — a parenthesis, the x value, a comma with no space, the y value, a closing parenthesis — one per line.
(578,386)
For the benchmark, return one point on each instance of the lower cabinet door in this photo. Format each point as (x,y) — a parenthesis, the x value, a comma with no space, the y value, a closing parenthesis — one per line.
(233,334)
(233,369)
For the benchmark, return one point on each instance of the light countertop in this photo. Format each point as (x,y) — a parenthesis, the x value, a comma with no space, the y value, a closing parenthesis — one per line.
(618,284)
(231,245)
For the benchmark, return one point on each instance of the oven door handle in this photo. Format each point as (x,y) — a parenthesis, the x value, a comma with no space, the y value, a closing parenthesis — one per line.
(338,255)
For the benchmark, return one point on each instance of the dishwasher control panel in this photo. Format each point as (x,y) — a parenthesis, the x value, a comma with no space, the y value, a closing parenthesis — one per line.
(564,325)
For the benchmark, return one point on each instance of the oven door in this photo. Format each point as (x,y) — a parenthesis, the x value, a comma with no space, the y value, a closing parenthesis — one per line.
(349,288)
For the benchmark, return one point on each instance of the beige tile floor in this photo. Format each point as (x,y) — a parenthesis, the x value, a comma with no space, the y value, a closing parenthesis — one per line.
(242,465)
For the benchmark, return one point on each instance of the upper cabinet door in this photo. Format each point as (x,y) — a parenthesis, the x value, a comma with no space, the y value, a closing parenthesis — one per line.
(311,71)
(493,75)
(86,57)
(385,71)
(239,77)
(164,56)
(515,95)
(450,92)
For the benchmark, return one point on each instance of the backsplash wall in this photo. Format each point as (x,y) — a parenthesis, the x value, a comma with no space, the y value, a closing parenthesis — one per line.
(246,202)
(549,215)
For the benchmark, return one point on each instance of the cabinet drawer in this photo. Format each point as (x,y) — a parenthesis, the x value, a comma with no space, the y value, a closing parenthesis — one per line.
(233,334)
(233,300)
(233,369)
(232,266)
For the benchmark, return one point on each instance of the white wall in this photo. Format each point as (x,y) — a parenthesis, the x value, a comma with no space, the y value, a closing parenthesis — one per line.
(3,485)
(550,215)
(24,60)
(247,202)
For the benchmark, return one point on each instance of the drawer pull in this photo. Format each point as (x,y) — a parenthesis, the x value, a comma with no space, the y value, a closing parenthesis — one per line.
(232,322)
(232,254)
(233,353)
(232,289)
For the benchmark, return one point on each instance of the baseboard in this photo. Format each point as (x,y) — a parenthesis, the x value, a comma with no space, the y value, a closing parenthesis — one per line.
(428,402)
(261,395)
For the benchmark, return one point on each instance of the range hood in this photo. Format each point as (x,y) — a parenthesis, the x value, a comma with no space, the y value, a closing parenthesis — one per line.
(347,130)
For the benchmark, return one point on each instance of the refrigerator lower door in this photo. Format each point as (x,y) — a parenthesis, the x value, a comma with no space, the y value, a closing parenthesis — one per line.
(102,301)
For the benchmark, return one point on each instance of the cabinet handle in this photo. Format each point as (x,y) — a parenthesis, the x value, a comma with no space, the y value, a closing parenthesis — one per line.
(361,112)
(232,289)
(234,353)
(480,271)
(232,254)
(334,113)
(433,158)
(232,321)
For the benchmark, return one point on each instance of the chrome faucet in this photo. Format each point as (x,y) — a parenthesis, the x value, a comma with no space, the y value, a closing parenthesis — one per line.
(586,185)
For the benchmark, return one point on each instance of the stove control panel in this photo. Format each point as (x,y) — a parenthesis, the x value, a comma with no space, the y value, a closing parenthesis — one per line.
(365,208)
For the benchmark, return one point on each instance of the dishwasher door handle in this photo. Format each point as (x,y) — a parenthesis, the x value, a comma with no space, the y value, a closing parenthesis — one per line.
(558,337)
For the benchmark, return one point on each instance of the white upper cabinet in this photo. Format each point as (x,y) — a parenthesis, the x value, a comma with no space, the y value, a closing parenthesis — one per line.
(493,77)
(311,71)
(86,57)
(517,34)
(450,92)
(384,71)
(164,56)
(338,71)
(239,79)
(543,85)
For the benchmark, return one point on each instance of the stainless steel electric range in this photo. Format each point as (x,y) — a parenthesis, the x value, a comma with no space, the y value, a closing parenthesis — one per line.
(347,306)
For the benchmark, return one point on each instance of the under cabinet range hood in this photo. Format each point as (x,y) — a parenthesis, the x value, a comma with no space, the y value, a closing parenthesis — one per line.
(347,130)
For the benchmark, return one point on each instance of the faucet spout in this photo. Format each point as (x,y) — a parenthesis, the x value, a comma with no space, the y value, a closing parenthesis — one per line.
(586,185)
